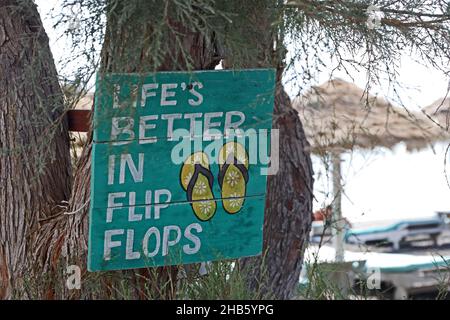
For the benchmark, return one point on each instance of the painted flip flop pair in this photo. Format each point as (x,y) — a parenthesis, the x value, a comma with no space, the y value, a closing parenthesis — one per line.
(197,180)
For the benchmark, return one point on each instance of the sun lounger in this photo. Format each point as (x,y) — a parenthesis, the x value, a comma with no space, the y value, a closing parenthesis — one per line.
(407,274)
(398,232)
(410,274)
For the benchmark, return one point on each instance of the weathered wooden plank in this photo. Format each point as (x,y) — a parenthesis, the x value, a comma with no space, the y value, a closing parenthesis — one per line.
(225,95)
(162,163)
(225,236)
(79,120)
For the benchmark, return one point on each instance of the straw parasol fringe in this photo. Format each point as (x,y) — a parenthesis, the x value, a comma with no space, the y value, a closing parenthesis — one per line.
(339,116)
(439,112)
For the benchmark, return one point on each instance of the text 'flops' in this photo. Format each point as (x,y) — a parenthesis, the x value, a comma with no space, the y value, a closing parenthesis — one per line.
(233,176)
(197,180)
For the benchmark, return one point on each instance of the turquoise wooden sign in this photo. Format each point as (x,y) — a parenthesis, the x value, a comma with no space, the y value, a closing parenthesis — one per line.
(179,167)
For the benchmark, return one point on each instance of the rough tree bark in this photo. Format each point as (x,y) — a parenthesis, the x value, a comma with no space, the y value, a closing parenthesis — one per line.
(288,212)
(34,141)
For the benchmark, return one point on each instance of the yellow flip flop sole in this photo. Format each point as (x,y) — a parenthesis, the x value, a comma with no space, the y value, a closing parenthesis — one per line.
(233,176)
(197,180)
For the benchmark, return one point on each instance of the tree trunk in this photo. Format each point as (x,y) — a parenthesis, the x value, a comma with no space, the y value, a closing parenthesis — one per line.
(34,141)
(125,50)
(338,222)
(288,212)
(289,198)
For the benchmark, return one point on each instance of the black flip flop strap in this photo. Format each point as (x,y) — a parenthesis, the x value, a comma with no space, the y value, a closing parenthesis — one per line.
(197,170)
(231,160)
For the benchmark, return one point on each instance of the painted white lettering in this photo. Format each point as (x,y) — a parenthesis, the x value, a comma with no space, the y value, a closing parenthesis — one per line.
(129,253)
(148,204)
(170,119)
(158,206)
(126,129)
(192,117)
(229,124)
(193,238)
(145,241)
(198,95)
(147,92)
(167,242)
(144,126)
(165,93)
(109,243)
(209,124)
(111,167)
(112,205)
(127,161)
(132,216)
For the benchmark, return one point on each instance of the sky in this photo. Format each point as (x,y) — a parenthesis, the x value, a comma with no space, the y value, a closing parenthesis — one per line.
(381,184)
(387,185)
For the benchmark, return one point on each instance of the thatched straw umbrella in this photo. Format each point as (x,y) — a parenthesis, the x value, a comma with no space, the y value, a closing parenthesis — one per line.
(85,102)
(439,112)
(339,116)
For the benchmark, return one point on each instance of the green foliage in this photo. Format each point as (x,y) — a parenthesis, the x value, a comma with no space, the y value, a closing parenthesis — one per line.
(336,35)
(223,280)
(220,280)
